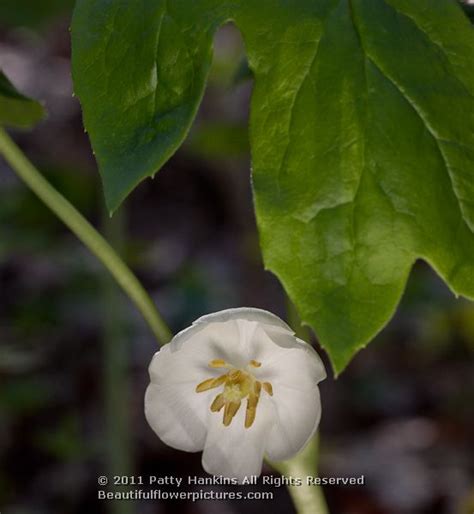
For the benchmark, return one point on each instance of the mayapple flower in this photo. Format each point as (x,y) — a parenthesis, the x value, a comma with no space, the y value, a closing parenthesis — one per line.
(239,385)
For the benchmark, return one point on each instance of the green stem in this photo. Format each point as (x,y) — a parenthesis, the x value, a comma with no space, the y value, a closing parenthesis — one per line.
(308,499)
(118,441)
(71,217)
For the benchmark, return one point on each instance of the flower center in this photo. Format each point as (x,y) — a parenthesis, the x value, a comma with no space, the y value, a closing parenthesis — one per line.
(238,385)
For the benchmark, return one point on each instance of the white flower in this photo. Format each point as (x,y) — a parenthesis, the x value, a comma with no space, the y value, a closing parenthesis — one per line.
(239,385)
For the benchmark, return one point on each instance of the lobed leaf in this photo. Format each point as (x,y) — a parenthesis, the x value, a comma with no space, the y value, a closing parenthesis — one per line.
(362,136)
(17,110)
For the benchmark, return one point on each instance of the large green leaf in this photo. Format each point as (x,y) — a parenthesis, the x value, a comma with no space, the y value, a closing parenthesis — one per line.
(17,110)
(362,135)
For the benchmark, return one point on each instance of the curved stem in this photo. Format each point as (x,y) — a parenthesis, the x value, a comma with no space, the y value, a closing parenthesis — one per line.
(307,498)
(71,217)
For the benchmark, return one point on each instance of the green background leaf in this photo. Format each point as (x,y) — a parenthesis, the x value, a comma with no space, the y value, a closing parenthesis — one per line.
(32,13)
(17,110)
(362,135)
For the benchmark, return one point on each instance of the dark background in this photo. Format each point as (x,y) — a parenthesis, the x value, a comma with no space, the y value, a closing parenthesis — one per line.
(74,353)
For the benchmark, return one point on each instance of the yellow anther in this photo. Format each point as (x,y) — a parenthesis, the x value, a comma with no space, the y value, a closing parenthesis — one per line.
(267,387)
(210,383)
(257,388)
(238,385)
(252,403)
(250,414)
(230,411)
(218,363)
(218,403)
(235,375)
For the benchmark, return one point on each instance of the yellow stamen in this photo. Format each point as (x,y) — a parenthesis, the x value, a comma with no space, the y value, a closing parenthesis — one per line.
(252,403)
(218,403)
(235,375)
(210,383)
(218,363)
(257,388)
(230,411)
(267,387)
(238,384)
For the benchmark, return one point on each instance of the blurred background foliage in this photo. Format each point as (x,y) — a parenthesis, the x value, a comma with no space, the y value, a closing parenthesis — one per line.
(31,14)
(74,353)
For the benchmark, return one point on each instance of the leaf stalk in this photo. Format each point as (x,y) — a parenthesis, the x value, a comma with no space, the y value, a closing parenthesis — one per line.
(91,238)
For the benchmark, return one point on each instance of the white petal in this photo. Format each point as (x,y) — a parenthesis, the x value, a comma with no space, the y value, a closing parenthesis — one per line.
(187,359)
(171,367)
(244,313)
(298,415)
(178,415)
(286,360)
(173,408)
(236,451)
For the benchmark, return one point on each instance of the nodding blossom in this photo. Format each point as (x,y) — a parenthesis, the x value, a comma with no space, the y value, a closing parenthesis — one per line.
(237,385)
